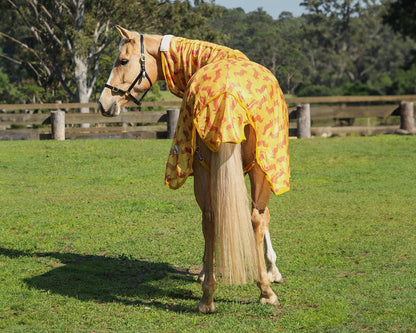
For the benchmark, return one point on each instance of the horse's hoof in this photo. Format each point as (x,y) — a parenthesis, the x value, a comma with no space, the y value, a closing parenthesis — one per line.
(275,276)
(270,300)
(206,308)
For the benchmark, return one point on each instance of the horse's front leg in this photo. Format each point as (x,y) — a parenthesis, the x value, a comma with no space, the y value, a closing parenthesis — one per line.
(206,304)
(202,195)
(201,275)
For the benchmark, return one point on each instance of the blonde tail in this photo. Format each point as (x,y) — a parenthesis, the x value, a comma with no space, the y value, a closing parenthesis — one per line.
(235,254)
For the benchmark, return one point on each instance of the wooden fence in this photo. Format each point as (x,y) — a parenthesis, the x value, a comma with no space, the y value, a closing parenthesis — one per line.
(29,122)
(346,109)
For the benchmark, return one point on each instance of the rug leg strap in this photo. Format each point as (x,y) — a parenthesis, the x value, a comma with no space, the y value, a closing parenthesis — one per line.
(250,166)
(202,160)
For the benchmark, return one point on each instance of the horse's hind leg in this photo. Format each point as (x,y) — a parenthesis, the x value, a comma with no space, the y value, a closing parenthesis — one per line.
(202,195)
(269,254)
(260,218)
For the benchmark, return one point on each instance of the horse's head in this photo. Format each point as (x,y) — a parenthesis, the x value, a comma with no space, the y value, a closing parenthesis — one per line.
(133,73)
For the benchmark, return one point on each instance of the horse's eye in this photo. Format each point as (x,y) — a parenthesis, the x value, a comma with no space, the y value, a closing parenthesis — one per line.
(124,61)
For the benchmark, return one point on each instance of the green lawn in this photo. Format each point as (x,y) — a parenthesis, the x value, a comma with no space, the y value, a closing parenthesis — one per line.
(92,240)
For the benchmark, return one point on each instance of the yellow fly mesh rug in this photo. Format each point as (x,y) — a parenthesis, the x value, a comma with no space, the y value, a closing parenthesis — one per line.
(223,91)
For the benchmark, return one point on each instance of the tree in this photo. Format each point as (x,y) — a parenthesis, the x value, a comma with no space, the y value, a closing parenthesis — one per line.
(182,19)
(401,16)
(329,28)
(64,41)
(232,23)
(291,61)
(274,44)
(7,90)
(345,42)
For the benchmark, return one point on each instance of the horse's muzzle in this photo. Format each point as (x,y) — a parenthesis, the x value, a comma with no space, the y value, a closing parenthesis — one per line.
(111,112)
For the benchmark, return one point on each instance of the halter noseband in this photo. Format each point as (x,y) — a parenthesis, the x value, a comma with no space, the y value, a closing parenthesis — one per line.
(138,79)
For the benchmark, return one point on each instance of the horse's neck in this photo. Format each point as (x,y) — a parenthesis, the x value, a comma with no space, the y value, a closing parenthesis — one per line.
(184,58)
(152,45)
(193,58)
(188,56)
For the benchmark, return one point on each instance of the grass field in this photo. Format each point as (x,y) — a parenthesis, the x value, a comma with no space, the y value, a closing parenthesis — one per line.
(91,240)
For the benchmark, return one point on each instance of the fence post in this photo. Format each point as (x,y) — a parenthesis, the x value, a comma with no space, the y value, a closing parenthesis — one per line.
(303,112)
(407,118)
(173,115)
(58,124)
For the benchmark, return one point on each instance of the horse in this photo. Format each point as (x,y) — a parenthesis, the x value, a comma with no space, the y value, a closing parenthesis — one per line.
(228,127)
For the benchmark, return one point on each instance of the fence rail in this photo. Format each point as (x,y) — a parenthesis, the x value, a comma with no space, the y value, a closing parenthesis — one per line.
(18,121)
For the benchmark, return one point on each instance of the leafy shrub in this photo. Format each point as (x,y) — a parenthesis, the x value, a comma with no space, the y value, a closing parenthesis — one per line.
(315,90)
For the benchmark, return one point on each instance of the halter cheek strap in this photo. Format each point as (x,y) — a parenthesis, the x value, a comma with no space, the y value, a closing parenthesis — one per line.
(138,79)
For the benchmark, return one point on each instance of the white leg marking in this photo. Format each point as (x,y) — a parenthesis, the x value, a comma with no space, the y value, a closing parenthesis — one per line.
(270,257)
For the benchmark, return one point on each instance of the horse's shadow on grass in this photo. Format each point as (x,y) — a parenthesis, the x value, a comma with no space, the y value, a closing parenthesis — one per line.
(103,279)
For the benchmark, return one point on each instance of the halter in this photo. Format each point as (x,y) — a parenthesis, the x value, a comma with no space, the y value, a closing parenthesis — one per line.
(138,79)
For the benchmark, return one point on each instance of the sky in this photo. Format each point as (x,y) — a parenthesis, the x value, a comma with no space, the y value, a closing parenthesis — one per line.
(272,7)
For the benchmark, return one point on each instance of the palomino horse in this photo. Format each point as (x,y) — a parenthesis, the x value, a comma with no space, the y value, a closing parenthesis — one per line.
(233,120)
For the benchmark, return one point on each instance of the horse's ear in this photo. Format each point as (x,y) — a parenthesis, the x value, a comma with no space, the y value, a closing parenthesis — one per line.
(123,32)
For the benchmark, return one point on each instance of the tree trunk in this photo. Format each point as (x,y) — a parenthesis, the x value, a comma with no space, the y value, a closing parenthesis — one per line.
(83,92)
